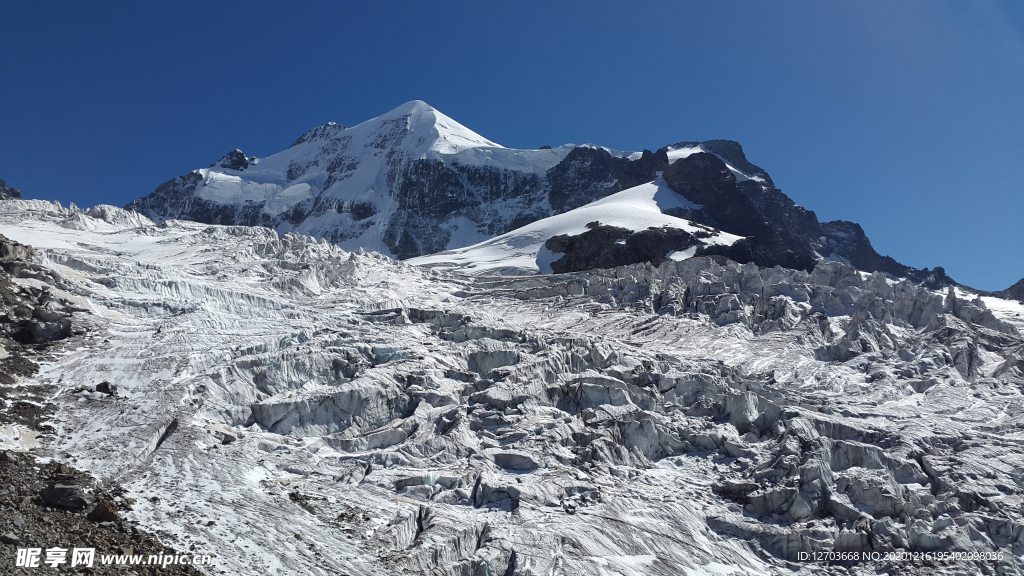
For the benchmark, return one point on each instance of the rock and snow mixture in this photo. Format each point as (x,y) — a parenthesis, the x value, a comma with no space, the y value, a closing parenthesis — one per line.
(413,182)
(48,508)
(293,408)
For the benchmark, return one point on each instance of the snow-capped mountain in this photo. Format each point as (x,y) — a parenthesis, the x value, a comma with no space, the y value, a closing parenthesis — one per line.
(410,182)
(415,182)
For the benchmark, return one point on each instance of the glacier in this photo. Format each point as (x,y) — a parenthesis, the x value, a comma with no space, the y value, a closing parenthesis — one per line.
(297,408)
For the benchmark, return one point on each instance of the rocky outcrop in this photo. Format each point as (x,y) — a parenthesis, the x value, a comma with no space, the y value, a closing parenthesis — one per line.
(28,315)
(176,200)
(1015,292)
(608,246)
(6,192)
(235,160)
(777,230)
(704,179)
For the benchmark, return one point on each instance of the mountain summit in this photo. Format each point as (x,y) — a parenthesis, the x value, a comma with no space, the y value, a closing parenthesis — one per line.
(415,182)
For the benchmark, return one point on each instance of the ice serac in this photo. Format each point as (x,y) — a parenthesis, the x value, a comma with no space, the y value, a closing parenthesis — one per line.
(370,417)
(414,182)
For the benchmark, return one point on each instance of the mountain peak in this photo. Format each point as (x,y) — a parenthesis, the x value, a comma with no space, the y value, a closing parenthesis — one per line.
(235,160)
(413,107)
(432,130)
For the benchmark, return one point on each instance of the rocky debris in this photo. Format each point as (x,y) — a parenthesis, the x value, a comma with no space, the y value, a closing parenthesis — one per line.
(106,388)
(30,522)
(44,506)
(105,511)
(29,315)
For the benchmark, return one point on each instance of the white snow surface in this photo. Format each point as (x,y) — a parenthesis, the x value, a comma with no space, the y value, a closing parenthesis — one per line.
(522,250)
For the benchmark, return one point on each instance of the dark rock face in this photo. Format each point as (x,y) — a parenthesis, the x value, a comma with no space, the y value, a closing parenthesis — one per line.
(234,160)
(7,192)
(603,246)
(777,230)
(358,210)
(732,152)
(847,239)
(704,179)
(588,174)
(1015,292)
(325,131)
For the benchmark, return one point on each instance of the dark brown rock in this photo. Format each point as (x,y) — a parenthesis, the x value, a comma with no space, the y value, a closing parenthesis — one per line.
(105,511)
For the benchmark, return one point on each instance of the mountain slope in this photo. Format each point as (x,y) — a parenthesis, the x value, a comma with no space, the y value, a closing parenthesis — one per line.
(414,182)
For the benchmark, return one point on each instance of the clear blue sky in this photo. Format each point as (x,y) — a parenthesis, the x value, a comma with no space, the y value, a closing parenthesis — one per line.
(907,117)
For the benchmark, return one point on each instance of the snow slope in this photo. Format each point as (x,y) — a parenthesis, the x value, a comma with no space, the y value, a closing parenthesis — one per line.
(522,251)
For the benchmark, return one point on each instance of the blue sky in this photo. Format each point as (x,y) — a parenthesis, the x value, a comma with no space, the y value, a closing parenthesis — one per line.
(906,117)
